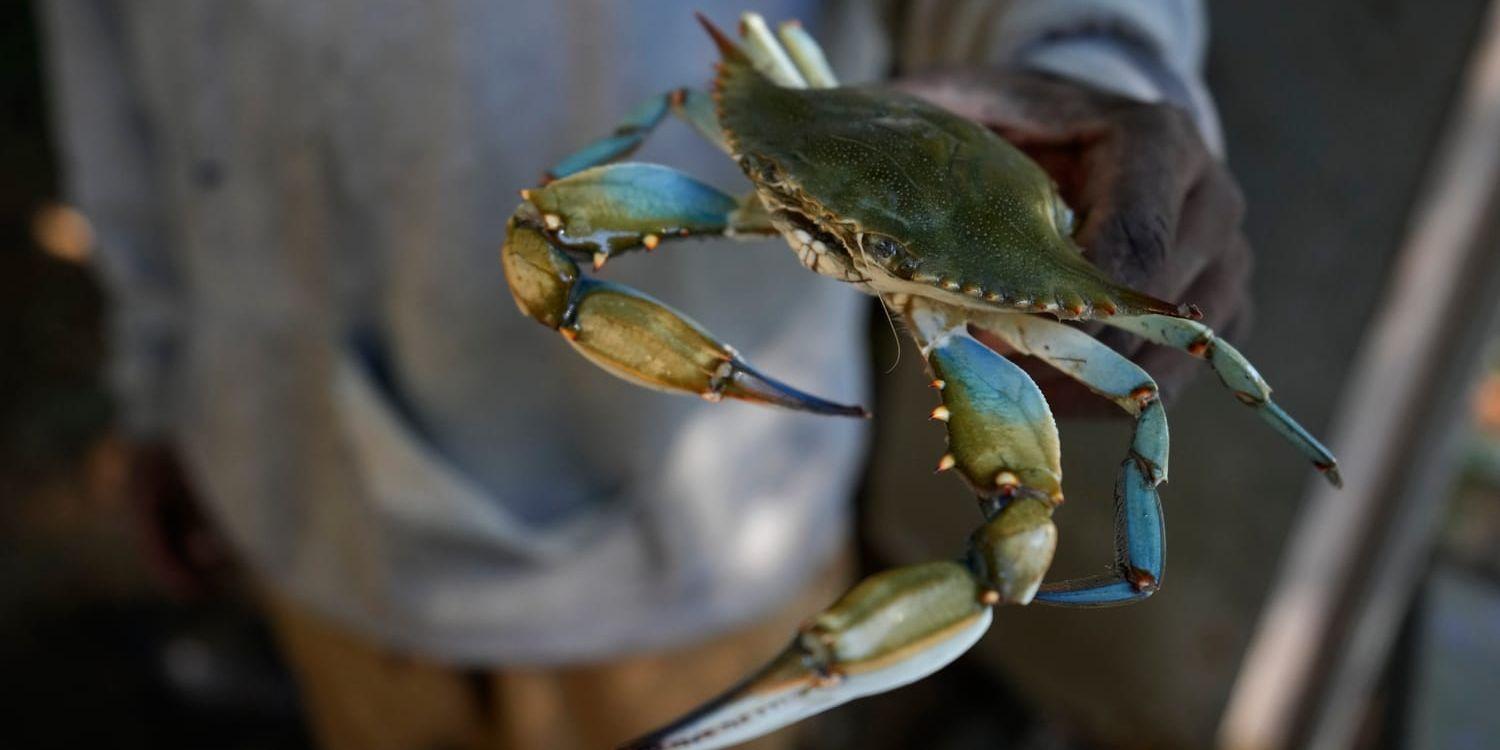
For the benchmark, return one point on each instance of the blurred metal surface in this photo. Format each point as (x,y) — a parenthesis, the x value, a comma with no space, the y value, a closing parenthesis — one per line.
(1356,557)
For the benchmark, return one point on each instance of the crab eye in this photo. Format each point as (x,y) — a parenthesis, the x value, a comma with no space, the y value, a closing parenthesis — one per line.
(882,248)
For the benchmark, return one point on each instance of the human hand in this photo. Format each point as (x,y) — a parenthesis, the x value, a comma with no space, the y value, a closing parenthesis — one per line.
(184,549)
(1156,211)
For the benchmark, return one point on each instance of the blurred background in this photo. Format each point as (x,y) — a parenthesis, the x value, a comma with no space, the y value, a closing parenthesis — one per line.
(1351,125)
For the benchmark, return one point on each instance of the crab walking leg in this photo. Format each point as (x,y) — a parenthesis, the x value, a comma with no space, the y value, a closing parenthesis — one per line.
(891,629)
(632,335)
(606,210)
(694,107)
(1140,538)
(1140,533)
(807,55)
(767,54)
(1237,374)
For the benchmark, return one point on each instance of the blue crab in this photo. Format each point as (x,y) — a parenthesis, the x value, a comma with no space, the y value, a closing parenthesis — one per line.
(956,231)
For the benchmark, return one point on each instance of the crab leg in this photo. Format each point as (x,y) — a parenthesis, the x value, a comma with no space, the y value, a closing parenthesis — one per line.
(632,335)
(891,629)
(1140,533)
(1003,442)
(690,105)
(901,625)
(1237,374)
(1000,430)
(800,63)
(606,210)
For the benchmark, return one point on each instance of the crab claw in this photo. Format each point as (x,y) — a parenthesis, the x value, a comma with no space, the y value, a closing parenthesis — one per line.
(634,336)
(893,628)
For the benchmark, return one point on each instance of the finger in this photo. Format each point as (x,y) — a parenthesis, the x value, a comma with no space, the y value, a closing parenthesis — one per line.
(1027,106)
(1138,180)
(1207,231)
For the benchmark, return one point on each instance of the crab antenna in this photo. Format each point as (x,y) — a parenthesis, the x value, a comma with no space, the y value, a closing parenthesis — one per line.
(727,47)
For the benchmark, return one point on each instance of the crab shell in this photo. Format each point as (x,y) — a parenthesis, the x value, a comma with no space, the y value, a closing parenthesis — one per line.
(886,190)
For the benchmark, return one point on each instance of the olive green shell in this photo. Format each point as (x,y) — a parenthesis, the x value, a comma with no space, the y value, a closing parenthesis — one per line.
(970,213)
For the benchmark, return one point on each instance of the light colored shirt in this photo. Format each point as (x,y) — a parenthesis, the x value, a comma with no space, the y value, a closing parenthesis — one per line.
(299,207)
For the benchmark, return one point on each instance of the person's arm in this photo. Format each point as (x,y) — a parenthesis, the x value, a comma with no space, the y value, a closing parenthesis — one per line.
(108,172)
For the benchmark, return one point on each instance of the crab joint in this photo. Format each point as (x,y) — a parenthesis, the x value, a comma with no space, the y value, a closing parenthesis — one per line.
(1144,395)
(1141,580)
(1007,482)
(1200,347)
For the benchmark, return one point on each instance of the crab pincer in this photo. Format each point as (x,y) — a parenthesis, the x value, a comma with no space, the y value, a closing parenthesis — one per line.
(893,628)
(634,336)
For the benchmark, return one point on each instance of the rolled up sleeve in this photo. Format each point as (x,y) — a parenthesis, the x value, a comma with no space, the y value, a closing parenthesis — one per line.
(1149,50)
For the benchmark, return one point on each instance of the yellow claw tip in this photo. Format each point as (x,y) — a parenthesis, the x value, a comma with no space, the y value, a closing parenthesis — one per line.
(946,462)
(940,414)
(553,221)
(1006,479)
(599,260)
(989,597)
(525,194)
(938,384)
(650,241)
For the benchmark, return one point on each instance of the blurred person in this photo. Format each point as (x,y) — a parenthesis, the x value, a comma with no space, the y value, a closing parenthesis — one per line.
(465,535)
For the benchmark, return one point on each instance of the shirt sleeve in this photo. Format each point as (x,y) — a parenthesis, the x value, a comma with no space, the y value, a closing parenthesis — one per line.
(106,160)
(1149,50)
